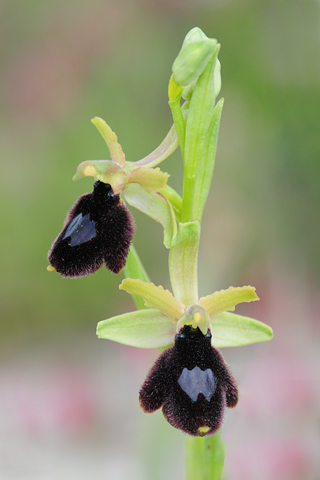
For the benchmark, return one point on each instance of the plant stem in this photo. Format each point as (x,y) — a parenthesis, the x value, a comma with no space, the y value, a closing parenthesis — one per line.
(204,457)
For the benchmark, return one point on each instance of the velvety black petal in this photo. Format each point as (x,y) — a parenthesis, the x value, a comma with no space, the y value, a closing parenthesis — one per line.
(98,228)
(192,383)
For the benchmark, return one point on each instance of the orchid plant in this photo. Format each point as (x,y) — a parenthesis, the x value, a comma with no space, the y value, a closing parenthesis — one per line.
(190,379)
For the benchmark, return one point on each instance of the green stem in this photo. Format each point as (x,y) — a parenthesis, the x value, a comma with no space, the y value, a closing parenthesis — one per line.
(204,457)
(135,269)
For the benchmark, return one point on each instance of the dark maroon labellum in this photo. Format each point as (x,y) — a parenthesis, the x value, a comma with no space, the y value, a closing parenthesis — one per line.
(192,383)
(98,229)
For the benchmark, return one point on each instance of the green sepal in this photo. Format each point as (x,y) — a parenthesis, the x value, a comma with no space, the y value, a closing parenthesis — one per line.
(183,267)
(232,330)
(163,151)
(194,35)
(227,299)
(105,171)
(193,57)
(135,269)
(148,328)
(152,178)
(155,296)
(111,140)
(192,60)
(156,206)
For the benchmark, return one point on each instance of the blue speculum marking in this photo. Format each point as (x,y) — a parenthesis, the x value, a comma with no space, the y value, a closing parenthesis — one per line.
(81,230)
(196,381)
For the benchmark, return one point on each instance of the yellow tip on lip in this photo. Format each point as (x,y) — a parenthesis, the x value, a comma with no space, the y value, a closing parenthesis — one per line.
(50,268)
(203,430)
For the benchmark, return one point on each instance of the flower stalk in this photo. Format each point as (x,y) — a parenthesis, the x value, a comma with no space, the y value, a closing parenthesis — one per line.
(190,380)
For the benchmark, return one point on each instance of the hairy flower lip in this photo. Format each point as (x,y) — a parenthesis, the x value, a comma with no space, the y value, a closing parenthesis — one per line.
(192,384)
(98,229)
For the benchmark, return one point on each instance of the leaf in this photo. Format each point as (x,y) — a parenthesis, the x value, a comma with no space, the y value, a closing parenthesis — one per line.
(156,206)
(148,328)
(232,330)
(223,300)
(155,296)
(183,258)
(111,140)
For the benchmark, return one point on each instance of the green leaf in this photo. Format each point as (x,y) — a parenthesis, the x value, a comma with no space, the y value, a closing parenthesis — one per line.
(223,300)
(155,296)
(232,330)
(135,269)
(165,149)
(148,328)
(156,206)
(183,258)
(111,140)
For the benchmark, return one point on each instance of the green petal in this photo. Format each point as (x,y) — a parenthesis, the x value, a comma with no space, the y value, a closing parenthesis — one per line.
(223,300)
(232,330)
(155,296)
(144,329)
(165,149)
(111,140)
(183,266)
(156,206)
(151,178)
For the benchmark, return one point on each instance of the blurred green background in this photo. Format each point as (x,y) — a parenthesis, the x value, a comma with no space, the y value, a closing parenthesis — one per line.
(63,63)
